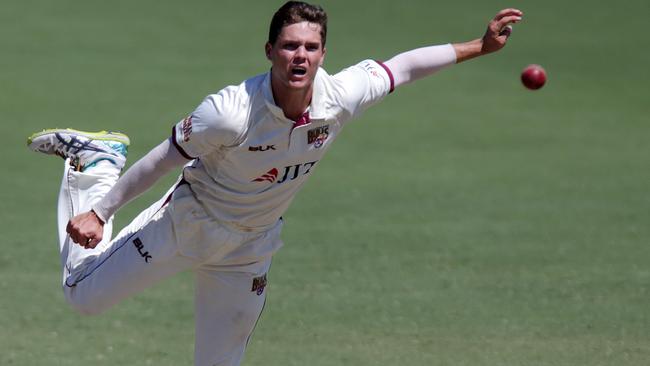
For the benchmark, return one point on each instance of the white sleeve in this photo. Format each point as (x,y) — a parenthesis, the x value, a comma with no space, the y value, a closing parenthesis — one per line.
(140,177)
(416,64)
(210,126)
(362,85)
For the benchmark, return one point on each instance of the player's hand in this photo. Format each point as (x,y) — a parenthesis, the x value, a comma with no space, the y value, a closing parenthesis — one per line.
(499,30)
(86,229)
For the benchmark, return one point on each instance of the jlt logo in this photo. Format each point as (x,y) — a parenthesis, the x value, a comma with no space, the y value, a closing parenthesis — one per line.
(291,172)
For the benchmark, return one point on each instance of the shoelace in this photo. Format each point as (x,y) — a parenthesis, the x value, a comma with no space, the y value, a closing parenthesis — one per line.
(74,146)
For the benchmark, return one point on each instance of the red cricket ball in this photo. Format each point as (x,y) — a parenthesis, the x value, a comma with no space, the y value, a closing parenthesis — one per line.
(533,77)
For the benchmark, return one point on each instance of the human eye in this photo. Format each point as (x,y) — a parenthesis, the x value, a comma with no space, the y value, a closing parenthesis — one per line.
(312,47)
(290,46)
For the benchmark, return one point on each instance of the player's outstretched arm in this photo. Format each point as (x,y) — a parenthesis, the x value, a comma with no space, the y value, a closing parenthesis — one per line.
(86,229)
(493,40)
(419,63)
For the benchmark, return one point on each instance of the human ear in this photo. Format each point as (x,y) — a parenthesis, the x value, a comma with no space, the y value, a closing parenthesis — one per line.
(322,58)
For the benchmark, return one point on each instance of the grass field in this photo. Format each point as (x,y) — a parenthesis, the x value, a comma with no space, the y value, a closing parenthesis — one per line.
(463,221)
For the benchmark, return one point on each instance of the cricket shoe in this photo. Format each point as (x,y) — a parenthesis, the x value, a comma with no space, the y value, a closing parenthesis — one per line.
(84,149)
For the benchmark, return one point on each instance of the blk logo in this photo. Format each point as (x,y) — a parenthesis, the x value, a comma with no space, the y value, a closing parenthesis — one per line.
(291,172)
(261,148)
(138,244)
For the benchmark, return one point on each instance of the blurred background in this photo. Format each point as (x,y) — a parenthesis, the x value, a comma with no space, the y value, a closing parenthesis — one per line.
(465,220)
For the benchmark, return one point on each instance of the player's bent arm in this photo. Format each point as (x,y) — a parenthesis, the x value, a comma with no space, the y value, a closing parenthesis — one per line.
(139,178)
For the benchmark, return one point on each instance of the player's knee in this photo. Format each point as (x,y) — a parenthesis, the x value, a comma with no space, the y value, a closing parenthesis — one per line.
(86,308)
(84,305)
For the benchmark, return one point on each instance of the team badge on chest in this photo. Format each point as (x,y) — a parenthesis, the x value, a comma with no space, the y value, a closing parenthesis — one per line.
(318,135)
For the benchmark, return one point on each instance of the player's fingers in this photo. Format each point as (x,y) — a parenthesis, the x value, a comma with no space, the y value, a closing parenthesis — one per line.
(509,20)
(92,242)
(498,26)
(74,233)
(68,228)
(508,12)
(76,239)
(502,22)
(506,31)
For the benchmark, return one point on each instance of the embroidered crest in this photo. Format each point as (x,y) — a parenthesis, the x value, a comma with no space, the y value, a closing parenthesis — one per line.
(259,283)
(318,135)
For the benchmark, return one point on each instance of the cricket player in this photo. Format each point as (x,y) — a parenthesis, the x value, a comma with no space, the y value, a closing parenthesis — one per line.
(245,151)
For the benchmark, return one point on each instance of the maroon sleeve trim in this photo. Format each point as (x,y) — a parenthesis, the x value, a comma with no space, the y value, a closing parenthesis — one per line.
(390,75)
(178,147)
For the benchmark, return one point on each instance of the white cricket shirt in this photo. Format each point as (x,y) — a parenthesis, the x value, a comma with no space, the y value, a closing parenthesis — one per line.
(250,161)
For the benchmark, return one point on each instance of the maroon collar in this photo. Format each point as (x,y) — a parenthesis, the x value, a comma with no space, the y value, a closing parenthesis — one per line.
(303,120)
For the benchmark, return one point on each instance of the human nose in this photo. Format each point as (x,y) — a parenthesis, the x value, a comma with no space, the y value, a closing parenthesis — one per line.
(300,55)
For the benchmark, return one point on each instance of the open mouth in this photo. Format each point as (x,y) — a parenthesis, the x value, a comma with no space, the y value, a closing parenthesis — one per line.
(298,71)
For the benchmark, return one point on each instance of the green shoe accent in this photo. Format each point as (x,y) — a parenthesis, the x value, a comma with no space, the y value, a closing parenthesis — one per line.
(100,136)
(94,163)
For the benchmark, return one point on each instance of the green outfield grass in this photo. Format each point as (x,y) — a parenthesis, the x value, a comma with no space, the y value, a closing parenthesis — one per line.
(463,221)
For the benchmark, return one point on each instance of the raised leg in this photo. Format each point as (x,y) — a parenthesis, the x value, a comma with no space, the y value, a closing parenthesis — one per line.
(142,254)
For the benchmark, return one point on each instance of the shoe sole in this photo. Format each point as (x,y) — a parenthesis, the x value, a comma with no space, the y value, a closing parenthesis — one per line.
(101,135)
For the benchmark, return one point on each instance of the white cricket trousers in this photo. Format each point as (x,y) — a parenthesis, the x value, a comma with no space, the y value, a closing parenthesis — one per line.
(172,235)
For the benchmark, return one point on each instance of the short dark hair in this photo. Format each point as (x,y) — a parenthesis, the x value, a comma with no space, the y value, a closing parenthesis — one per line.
(295,12)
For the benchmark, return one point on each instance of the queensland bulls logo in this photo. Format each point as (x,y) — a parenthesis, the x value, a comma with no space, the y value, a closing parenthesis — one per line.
(318,135)
(259,283)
